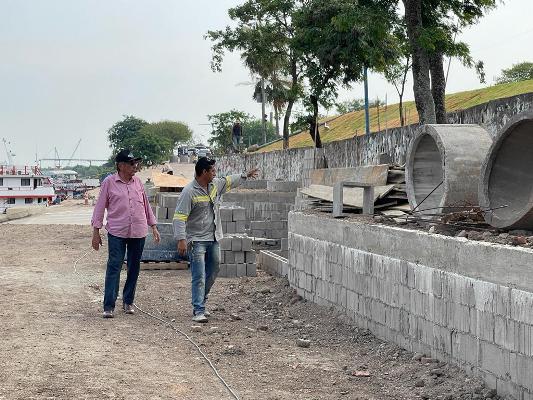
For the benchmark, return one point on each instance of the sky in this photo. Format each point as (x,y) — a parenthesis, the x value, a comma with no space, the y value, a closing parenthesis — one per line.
(70,69)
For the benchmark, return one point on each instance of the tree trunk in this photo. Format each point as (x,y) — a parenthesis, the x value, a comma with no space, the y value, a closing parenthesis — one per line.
(421,80)
(400,107)
(276,117)
(438,86)
(313,125)
(290,103)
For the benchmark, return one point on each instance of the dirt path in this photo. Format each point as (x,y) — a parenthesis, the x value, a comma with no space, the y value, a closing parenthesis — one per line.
(55,345)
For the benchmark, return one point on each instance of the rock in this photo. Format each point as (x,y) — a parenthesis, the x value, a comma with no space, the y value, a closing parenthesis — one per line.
(303,343)
(463,233)
(196,328)
(436,372)
(420,383)
(520,232)
(428,360)
(213,329)
(519,240)
(486,235)
(432,230)
(235,317)
(263,328)
(418,356)
(503,235)
(264,290)
(474,235)
(378,218)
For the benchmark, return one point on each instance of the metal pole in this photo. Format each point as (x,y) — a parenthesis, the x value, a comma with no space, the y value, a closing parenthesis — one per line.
(367,114)
(263,119)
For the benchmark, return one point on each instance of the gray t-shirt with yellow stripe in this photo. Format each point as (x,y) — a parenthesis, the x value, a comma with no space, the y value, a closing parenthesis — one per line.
(197,217)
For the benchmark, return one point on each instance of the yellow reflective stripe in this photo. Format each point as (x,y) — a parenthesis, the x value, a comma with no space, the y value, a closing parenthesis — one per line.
(213,193)
(180,216)
(228,182)
(200,199)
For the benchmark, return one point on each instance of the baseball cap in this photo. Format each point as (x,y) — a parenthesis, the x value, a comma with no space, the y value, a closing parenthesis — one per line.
(126,156)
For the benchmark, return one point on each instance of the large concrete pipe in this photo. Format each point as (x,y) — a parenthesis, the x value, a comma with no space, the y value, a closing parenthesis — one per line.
(443,166)
(507,176)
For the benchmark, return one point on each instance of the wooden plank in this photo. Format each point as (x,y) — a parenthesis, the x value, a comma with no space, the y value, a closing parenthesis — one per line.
(351,196)
(145,266)
(169,181)
(373,174)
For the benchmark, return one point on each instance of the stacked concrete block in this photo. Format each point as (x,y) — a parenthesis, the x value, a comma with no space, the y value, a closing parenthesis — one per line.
(269,229)
(233,219)
(472,308)
(273,263)
(283,186)
(254,184)
(260,205)
(166,249)
(237,258)
(165,206)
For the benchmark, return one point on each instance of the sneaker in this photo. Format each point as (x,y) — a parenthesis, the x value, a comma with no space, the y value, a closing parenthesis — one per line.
(108,314)
(128,309)
(200,318)
(207,313)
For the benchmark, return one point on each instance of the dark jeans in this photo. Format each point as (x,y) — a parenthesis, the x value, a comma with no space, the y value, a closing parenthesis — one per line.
(117,250)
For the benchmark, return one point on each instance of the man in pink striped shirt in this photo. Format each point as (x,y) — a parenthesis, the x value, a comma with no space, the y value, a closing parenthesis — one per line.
(128,216)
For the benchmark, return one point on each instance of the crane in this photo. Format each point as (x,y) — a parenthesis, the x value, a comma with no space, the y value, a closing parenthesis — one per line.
(74,152)
(8,152)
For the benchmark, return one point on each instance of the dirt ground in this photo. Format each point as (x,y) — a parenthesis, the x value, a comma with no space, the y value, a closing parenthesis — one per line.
(55,345)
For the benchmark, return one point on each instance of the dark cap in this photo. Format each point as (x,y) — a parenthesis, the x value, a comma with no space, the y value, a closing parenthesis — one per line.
(126,156)
(203,163)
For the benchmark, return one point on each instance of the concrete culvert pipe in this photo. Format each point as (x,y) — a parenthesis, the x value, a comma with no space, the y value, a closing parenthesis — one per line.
(443,166)
(507,176)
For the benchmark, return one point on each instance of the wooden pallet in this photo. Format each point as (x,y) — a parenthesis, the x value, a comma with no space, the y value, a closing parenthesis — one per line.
(151,266)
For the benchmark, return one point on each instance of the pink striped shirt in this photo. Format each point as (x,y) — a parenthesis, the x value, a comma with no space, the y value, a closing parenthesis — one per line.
(128,212)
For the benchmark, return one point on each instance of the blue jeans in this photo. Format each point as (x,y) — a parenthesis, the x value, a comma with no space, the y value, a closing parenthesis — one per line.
(117,250)
(204,258)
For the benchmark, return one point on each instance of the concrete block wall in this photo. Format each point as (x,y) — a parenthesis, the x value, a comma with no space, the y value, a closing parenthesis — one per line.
(237,257)
(294,164)
(262,205)
(273,263)
(272,229)
(233,219)
(469,303)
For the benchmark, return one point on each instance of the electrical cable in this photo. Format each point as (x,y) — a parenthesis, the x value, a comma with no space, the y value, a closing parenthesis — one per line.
(233,394)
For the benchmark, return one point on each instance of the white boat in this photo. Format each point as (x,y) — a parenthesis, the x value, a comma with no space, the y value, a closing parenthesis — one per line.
(24,186)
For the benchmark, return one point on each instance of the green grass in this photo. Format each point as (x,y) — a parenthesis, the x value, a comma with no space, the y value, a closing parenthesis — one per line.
(353,124)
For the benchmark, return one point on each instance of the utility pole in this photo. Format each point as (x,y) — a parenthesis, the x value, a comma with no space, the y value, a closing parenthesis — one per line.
(263,119)
(367,113)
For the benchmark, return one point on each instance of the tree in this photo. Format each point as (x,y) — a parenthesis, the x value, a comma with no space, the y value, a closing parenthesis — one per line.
(348,106)
(221,132)
(153,148)
(431,27)
(122,132)
(264,33)
(338,40)
(518,72)
(176,132)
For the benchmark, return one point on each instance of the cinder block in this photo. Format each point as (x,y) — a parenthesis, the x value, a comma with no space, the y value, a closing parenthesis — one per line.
(230,227)
(240,226)
(229,257)
(239,214)
(223,272)
(250,257)
(225,243)
(226,214)
(246,244)
(251,269)
(232,270)
(236,244)
(239,257)
(241,270)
